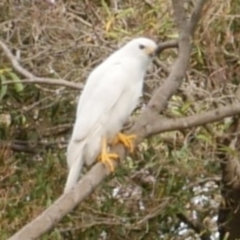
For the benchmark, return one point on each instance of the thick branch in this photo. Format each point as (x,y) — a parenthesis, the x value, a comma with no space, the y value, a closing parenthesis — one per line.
(31,78)
(196,14)
(162,125)
(180,16)
(98,173)
(175,78)
(47,219)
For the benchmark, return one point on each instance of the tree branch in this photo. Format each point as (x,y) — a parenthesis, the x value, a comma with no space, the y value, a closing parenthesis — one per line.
(175,78)
(16,147)
(165,45)
(196,14)
(162,125)
(31,78)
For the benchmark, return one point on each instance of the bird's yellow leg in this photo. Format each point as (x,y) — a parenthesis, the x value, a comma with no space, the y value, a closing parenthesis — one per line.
(106,157)
(126,140)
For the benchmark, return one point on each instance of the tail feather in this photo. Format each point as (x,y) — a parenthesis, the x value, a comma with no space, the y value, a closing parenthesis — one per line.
(75,163)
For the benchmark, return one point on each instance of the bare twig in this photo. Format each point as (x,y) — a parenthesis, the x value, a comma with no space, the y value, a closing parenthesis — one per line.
(31,78)
(16,147)
(165,45)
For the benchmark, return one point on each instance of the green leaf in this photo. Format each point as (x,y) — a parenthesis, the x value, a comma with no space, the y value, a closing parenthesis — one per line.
(18,86)
(185,107)
(204,138)
(3,90)
(5,70)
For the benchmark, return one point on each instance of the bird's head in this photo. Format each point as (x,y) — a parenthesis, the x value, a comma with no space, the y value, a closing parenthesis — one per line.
(141,48)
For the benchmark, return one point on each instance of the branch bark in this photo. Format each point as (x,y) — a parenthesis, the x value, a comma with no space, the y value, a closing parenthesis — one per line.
(172,83)
(31,78)
(162,125)
(98,173)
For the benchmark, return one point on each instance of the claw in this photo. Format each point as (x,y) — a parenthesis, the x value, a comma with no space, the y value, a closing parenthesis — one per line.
(106,157)
(126,140)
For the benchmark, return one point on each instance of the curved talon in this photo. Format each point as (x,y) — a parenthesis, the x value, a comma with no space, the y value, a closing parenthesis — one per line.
(126,140)
(106,157)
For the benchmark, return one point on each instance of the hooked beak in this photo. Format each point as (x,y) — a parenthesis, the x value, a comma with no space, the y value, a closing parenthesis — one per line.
(151,51)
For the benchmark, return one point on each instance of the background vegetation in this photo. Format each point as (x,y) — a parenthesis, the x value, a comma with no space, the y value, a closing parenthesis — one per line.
(172,175)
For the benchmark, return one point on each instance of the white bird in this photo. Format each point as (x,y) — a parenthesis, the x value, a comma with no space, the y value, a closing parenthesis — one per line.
(110,95)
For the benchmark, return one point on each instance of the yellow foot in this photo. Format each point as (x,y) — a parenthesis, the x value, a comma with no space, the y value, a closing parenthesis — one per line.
(126,140)
(106,157)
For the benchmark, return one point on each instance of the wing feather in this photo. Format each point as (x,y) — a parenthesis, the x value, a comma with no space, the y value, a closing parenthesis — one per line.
(97,101)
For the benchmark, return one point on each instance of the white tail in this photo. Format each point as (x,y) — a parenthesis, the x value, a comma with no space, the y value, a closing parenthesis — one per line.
(75,162)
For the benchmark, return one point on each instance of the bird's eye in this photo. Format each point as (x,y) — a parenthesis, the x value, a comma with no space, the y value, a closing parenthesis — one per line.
(141,46)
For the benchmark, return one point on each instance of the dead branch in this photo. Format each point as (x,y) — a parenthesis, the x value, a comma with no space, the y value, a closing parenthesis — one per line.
(31,78)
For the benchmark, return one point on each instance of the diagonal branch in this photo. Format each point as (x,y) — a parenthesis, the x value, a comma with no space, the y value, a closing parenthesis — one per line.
(180,16)
(172,83)
(196,14)
(31,78)
(98,173)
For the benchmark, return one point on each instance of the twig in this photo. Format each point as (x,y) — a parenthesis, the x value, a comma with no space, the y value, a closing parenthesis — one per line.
(16,147)
(31,78)
(165,45)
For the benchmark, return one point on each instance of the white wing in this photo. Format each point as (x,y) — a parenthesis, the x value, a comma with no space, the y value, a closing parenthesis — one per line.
(94,106)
